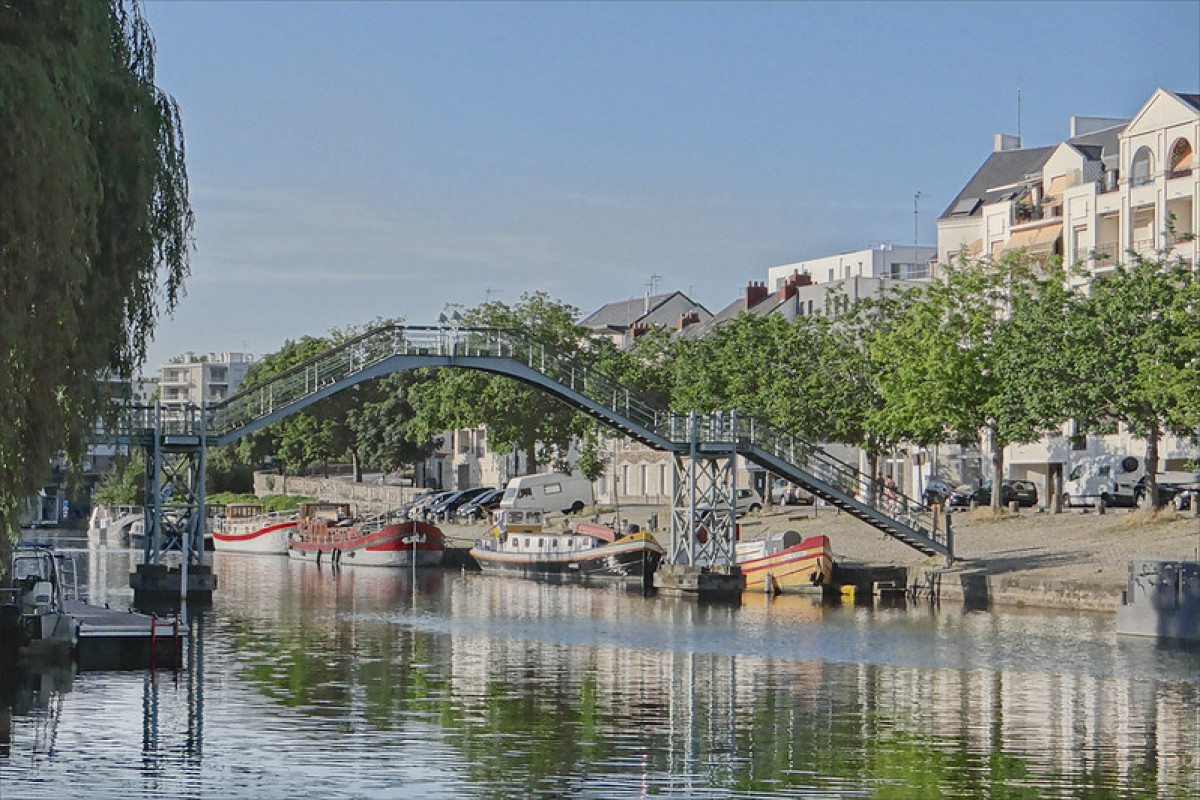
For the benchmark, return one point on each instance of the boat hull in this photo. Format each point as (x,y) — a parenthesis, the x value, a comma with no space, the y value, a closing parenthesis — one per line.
(269,539)
(628,563)
(385,547)
(804,567)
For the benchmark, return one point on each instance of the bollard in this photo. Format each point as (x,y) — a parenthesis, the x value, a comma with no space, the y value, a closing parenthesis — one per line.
(1014,506)
(1101,505)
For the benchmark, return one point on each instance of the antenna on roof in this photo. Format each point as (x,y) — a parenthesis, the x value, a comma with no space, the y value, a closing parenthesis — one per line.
(1018,114)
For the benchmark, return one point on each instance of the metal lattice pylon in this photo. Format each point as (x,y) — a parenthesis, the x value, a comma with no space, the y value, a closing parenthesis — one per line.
(175,495)
(703,510)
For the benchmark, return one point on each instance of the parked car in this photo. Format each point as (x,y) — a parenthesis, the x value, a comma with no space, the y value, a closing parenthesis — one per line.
(936,491)
(1025,493)
(478,508)
(960,496)
(417,510)
(748,500)
(1171,486)
(789,494)
(444,508)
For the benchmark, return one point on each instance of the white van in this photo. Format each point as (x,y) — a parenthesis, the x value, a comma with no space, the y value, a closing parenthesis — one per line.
(548,491)
(1111,479)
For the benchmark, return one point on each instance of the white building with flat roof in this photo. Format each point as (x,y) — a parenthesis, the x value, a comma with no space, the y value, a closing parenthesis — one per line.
(894,261)
(202,379)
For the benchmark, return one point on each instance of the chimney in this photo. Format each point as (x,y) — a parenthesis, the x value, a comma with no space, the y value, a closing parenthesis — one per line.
(755,294)
(637,329)
(688,318)
(792,283)
(1005,141)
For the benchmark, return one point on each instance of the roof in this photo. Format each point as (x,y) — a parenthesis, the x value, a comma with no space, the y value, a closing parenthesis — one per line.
(623,313)
(659,309)
(1192,100)
(1001,169)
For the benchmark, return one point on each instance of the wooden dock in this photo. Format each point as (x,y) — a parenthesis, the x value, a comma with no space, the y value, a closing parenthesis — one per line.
(115,639)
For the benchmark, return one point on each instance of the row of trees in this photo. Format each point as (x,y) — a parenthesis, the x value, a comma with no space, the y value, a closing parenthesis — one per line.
(999,352)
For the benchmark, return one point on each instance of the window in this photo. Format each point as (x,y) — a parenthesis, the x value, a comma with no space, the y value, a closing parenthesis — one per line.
(524,492)
(553,488)
(1142,169)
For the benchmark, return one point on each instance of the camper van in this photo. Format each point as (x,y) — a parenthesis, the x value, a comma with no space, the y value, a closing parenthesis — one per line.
(1108,479)
(549,491)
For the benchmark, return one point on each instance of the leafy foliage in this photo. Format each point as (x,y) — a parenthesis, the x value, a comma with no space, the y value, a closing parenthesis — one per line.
(519,418)
(96,240)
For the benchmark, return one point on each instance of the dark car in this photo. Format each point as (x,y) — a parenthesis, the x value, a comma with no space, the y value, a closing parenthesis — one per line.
(961,495)
(1025,493)
(444,509)
(936,491)
(479,507)
(1173,487)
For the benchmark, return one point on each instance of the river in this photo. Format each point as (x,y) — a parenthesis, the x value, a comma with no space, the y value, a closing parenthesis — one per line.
(301,681)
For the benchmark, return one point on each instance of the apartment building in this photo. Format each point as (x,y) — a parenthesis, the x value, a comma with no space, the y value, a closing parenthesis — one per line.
(201,380)
(1113,187)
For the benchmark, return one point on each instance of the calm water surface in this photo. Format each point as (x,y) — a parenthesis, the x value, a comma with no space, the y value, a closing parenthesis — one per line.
(302,681)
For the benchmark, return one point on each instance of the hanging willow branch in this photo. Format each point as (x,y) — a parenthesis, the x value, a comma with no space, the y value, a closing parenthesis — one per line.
(95,223)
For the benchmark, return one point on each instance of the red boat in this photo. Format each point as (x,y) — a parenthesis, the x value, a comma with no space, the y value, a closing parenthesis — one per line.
(782,562)
(330,532)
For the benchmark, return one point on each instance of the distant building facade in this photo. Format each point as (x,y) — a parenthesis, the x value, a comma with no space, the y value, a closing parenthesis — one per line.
(202,380)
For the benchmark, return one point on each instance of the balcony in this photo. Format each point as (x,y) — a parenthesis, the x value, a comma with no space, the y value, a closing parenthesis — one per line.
(1106,253)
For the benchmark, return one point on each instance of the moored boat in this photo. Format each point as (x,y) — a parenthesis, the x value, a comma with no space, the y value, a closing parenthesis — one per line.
(783,562)
(247,528)
(583,552)
(330,532)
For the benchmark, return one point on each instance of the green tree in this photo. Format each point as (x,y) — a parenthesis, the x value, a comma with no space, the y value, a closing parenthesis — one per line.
(125,485)
(94,237)
(519,418)
(956,359)
(1133,349)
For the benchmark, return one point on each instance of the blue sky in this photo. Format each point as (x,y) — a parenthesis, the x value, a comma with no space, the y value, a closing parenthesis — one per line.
(356,160)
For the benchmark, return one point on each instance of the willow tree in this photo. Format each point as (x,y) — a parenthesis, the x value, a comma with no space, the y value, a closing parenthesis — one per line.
(95,224)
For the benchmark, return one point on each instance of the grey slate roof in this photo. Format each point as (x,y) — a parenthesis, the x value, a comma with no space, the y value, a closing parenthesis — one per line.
(1192,100)
(659,309)
(1002,168)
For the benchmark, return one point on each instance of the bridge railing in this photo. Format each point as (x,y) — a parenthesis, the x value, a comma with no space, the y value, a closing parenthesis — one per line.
(748,432)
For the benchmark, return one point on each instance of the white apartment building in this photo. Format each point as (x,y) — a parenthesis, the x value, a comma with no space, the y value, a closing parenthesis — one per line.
(897,262)
(1109,189)
(1113,187)
(202,379)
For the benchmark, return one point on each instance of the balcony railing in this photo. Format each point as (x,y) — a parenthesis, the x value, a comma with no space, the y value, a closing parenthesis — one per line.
(1106,252)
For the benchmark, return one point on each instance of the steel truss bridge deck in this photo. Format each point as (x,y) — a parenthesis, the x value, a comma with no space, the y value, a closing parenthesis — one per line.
(687,435)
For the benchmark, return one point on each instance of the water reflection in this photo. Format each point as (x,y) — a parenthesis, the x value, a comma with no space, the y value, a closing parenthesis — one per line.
(379,682)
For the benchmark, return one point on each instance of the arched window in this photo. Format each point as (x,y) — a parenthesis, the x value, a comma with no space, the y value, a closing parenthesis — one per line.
(1142,169)
(1180,161)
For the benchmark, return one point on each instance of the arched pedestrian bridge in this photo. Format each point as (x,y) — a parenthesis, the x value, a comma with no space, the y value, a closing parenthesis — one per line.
(704,447)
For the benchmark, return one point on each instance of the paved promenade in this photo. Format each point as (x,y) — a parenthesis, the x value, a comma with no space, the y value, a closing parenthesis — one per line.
(1076,559)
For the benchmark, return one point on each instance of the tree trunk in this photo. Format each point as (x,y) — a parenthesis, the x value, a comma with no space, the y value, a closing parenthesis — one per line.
(1152,437)
(997,472)
(356,465)
(873,477)
(531,464)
